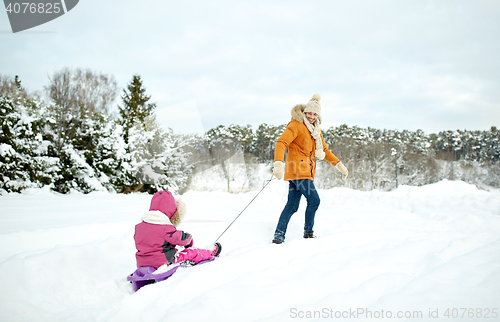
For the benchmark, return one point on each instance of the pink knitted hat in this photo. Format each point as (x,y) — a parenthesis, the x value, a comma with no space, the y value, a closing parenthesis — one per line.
(164,202)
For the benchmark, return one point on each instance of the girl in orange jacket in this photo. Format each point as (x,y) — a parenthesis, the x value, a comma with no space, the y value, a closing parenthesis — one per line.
(305,143)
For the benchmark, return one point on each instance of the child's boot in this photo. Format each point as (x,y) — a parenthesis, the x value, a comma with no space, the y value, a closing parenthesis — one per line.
(217,249)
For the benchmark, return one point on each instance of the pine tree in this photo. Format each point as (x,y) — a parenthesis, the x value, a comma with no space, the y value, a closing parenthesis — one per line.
(135,105)
(75,171)
(23,157)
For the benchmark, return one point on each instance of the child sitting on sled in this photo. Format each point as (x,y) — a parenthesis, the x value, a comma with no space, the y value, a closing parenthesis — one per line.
(156,237)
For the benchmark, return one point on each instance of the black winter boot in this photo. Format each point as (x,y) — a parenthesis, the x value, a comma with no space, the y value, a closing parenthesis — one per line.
(217,249)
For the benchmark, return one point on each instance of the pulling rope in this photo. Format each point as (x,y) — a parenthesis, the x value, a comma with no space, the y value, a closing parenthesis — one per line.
(244,208)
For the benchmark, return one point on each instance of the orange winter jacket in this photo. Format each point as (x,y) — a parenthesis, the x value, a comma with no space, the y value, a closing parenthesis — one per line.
(300,161)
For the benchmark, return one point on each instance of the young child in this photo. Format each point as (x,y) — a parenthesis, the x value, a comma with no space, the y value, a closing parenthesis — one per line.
(156,237)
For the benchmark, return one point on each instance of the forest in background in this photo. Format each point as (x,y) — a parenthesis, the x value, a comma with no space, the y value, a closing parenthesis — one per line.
(67,137)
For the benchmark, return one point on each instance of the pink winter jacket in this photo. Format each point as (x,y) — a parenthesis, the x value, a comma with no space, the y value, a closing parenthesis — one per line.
(156,243)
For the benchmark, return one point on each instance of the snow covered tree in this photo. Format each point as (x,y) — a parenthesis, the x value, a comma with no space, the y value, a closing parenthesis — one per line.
(266,136)
(12,88)
(490,145)
(135,107)
(222,143)
(158,159)
(14,168)
(177,161)
(72,90)
(24,159)
(243,134)
(74,144)
(95,157)
(77,156)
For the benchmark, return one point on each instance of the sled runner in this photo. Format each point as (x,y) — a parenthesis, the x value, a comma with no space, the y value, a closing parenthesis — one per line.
(145,275)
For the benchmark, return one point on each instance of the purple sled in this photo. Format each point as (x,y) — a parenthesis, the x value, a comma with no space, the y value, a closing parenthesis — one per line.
(144,275)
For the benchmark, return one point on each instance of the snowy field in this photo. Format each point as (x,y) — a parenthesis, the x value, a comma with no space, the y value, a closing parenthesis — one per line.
(413,254)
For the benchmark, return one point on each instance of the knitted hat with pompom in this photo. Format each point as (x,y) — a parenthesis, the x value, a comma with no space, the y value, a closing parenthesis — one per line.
(313,105)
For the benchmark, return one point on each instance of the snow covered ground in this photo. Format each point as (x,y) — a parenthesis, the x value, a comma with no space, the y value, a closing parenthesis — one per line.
(412,254)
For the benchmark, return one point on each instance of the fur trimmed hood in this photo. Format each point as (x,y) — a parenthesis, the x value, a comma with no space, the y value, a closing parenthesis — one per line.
(179,213)
(298,113)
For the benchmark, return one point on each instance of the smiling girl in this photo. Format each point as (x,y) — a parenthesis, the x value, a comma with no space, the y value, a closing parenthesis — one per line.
(305,143)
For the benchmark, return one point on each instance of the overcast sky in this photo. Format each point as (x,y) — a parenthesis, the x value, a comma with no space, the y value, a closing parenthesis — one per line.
(400,64)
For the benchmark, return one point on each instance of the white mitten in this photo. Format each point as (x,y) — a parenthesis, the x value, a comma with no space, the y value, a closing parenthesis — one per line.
(343,170)
(278,169)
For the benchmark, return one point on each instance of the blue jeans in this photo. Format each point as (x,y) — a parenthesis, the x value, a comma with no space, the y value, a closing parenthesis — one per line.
(296,189)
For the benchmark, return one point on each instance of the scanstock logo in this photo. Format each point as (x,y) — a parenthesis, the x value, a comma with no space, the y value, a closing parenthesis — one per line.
(26,14)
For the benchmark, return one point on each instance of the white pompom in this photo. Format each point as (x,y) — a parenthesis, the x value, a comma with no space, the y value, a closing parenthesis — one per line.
(316,97)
